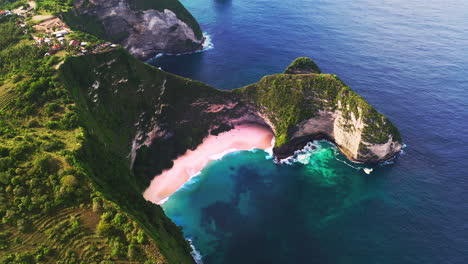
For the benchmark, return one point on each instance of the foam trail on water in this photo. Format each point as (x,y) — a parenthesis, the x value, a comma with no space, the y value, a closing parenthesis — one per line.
(269,150)
(303,156)
(195,253)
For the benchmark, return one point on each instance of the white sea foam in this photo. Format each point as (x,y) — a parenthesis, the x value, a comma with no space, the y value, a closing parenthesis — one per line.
(163,200)
(207,45)
(269,150)
(195,253)
(301,155)
(222,154)
(304,155)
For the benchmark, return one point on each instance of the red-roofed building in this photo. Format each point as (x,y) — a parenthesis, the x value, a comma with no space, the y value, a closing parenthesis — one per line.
(5,13)
(74,43)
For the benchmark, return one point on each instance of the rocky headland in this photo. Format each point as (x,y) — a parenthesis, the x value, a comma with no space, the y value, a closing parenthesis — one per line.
(144,28)
(155,116)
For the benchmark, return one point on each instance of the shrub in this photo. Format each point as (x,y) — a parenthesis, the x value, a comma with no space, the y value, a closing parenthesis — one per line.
(104,228)
(53,145)
(69,180)
(33,124)
(69,121)
(52,108)
(52,124)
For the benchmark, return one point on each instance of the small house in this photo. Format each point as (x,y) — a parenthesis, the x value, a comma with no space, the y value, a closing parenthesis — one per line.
(55,48)
(61,33)
(5,13)
(74,43)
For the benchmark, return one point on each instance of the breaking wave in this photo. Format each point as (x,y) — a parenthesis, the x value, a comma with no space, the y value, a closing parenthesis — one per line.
(195,253)
(304,155)
(207,45)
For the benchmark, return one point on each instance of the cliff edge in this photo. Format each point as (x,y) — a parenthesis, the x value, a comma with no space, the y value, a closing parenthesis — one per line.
(144,28)
(302,104)
(143,113)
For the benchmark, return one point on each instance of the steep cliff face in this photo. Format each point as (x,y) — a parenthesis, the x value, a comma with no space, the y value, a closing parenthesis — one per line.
(144,27)
(153,116)
(306,105)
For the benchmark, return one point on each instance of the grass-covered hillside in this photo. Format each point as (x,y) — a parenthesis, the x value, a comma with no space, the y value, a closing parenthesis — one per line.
(121,97)
(61,189)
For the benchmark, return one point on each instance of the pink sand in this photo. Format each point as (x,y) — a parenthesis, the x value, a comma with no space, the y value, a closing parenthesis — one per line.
(243,137)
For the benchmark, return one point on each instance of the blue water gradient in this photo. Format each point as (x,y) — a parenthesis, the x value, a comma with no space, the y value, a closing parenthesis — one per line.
(409,59)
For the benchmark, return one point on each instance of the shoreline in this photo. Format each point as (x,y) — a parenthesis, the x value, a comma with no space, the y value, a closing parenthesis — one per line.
(190,164)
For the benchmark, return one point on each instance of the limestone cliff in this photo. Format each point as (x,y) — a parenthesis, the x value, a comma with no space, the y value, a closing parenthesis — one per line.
(152,117)
(307,105)
(144,27)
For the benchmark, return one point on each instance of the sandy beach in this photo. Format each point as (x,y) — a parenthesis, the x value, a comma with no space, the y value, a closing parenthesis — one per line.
(243,137)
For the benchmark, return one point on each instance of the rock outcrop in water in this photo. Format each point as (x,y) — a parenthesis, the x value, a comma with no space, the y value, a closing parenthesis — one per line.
(144,27)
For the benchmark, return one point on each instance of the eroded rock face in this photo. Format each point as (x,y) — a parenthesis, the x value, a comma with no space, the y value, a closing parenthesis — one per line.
(144,33)
(155,124)
(345,133)
(304,105)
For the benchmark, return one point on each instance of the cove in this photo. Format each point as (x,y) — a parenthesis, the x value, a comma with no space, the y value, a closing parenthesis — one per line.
(408,59)
(213,147)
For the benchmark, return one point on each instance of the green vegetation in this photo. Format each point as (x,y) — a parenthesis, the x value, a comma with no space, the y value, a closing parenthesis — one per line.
(302,65)
(55,7)
(85,23)
(287,99)
(12,32)
(11,4)
(52,206)
(68,192)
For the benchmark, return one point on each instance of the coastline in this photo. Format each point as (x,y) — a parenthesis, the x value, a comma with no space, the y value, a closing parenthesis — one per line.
(242,137)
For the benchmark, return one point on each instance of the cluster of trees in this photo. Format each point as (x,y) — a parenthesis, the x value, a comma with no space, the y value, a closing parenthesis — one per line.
(12,4)
(11,33)
(33,183)
(54,6)
(123,234)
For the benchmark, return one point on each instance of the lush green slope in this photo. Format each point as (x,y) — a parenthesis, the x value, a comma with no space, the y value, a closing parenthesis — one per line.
(127,92)
(62,194)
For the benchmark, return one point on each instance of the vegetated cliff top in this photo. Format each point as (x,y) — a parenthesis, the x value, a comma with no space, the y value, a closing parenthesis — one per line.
(302,65)
(287,99)
(65,197)
(281,101)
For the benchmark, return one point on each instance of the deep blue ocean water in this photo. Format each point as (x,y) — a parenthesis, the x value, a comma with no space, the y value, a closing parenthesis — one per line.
(409,59)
